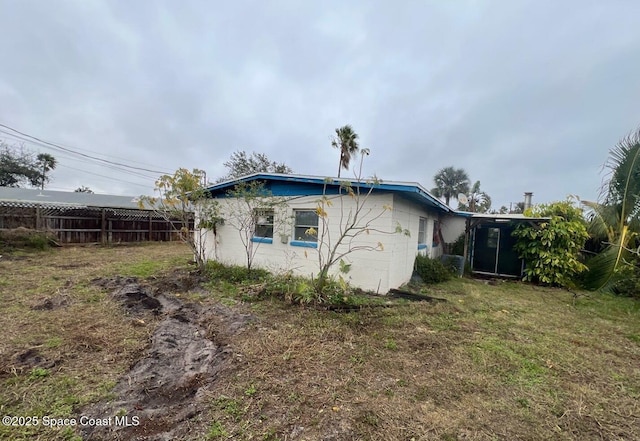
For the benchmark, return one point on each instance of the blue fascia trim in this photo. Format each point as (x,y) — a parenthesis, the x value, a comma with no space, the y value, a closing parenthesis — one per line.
(291,185)
(262,239)
(304,244)
(422,246)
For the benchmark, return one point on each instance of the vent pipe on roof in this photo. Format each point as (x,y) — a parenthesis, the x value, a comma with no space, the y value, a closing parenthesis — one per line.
(527,200)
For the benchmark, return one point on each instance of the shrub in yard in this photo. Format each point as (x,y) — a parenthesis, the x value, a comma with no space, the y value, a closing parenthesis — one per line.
(431,270)
(551,250)
(234,273)
(457,247)
(301,290)
(26,238)
(629,283)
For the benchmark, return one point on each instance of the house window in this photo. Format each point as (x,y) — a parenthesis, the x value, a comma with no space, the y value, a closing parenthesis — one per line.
(264,226)
(306,226)
(422,233)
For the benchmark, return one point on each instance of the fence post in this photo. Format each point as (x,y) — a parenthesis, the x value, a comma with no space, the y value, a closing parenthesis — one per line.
(103,228)
(150,226)
(38,218)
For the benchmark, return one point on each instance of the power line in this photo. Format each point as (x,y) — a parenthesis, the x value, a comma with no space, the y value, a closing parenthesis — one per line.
(82,159)
(107,177)
(120,170)
(65,149)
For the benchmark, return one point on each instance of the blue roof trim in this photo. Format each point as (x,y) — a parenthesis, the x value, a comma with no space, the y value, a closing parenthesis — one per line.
(299,185)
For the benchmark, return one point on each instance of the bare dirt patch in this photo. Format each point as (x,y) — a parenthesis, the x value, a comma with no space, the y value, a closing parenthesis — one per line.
(165,389)
(51,302)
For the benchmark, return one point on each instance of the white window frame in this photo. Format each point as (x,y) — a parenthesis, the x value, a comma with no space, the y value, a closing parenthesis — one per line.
(264,213)
(306,226)
(422,232)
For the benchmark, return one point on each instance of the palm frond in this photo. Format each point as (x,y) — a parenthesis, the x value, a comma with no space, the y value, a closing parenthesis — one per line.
(603,220)
(616,217)
(623,186)
(604,268)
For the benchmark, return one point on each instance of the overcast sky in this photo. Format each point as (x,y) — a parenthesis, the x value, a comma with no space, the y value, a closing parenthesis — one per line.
(524,95)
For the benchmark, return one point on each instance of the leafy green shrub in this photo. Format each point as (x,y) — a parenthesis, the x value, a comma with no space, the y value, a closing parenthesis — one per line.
(629,283)
(431,270)
(457,247)
(293,289)
(234,273)
(551,250)
(302,290)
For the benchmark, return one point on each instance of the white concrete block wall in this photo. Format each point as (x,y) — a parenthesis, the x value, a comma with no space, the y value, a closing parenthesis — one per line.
(377,271)
(369,269)
(408,214)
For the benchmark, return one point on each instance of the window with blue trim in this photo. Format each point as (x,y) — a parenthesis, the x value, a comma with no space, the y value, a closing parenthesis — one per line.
(306,226)
(264,224)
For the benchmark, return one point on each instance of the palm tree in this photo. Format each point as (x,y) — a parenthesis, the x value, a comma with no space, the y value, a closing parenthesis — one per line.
(48,163)
(616,220)
(347,141)
(478,200)
(449,182)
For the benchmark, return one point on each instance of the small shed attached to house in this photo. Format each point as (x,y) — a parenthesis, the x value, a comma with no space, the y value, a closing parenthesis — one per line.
(282,242)
(490,244)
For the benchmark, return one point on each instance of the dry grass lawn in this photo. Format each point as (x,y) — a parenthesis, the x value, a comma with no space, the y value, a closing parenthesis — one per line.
(509,361)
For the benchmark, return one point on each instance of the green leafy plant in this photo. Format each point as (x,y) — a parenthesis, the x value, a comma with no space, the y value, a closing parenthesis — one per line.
(251,390)
(457,247)
(217,431)
(178,196)
(551,250)
(234,273)
(628,284)
(615,220)
(38,372)
(431,270)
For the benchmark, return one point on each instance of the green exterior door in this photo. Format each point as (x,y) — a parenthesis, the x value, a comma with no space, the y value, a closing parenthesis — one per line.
(493,251)
(485,246)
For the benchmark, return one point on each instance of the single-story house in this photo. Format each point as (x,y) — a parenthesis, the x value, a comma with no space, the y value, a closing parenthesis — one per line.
(291,238)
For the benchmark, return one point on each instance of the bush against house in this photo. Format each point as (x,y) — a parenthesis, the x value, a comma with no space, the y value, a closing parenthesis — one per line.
(551,250)
(432,270)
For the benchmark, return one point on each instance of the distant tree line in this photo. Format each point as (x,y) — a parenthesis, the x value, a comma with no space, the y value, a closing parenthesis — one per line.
(20,167)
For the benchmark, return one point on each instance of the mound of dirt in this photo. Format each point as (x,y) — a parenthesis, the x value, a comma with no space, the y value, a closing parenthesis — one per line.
(50,303)
(25,361)
(137,299)
(164,390)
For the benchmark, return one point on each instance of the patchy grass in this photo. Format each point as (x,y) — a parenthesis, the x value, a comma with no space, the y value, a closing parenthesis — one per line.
(510,361)
(65,343)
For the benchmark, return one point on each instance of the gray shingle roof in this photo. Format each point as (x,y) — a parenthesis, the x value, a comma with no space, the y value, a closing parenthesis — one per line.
(29,196)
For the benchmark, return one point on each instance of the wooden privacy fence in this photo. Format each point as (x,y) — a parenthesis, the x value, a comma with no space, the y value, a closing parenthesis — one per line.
(73,224)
